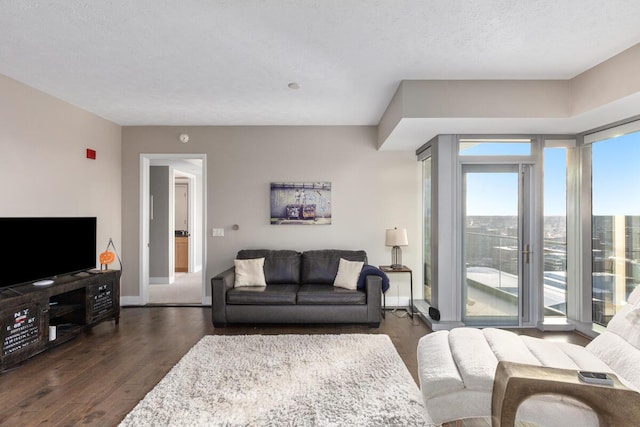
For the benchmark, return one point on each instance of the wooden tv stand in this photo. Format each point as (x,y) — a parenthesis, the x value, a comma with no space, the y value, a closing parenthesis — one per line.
(72,304)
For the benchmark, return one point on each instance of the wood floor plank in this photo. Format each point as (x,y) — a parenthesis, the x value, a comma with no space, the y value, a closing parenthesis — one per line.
(97,378)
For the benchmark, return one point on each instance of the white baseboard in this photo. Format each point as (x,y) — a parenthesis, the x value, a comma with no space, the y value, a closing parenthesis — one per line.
(397,302)
(130,301)
(206,301)
(161,280)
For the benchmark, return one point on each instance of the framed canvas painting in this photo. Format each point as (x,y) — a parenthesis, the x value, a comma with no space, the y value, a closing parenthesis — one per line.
(301,203)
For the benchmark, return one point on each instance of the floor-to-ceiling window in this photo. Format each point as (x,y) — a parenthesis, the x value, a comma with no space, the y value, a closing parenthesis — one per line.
(427,215)
(555,231)
(615,223)
(542,226)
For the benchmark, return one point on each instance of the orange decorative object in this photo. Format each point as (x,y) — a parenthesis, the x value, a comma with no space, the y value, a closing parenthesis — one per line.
(107,258)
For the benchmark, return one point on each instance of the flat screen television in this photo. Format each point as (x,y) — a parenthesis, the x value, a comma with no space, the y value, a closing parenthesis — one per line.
(38,248)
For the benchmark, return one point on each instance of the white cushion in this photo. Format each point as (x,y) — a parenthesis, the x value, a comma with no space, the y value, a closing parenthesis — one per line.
(509,346)
(348,273)
(249,272)
(474,358)
(439,375)
(622,357)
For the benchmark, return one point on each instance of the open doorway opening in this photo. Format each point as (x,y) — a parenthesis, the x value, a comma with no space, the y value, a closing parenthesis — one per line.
(172,224)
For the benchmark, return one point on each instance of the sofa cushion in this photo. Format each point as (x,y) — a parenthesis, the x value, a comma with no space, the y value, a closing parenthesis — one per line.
(321,266)
(249,272)
(269,295)
(329,295)
(280,266)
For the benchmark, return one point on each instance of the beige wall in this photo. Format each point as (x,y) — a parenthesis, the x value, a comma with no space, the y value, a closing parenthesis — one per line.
(613,79)
(44,170)
(372,190)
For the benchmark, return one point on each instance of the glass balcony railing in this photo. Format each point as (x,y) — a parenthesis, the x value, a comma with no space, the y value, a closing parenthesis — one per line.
(492,271)
(492,265)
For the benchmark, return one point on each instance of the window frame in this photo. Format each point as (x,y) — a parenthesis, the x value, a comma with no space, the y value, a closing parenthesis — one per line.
(632,125)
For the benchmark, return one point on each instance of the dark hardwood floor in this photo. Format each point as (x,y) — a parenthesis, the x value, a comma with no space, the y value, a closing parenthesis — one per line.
(97,378)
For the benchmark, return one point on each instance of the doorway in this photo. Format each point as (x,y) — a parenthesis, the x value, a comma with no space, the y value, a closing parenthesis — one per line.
(495,244)
(172,231)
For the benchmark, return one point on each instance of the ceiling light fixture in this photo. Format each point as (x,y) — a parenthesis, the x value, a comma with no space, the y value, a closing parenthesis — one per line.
(294,86)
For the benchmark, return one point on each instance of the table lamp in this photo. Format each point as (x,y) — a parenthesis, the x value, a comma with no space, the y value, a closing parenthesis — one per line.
(396,237)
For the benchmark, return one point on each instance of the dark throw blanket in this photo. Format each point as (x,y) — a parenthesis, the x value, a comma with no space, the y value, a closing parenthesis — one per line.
(374,271)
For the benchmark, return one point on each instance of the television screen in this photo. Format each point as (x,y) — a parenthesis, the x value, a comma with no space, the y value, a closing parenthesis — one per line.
(42,248)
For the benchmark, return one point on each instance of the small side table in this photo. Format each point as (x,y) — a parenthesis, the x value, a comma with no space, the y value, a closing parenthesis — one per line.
(614,405)
(403,269)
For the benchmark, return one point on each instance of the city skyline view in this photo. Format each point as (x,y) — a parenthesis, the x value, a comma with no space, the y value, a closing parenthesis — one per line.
(492,261)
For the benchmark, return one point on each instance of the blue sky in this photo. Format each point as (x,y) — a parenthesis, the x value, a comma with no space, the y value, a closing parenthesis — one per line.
(492,194)
(555,182)
(616,180)
(616,176)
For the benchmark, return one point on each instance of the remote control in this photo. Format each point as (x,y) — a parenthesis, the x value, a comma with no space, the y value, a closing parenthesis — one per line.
(599,378)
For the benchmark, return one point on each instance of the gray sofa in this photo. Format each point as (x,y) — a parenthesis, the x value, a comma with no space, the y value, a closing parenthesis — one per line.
(299,290)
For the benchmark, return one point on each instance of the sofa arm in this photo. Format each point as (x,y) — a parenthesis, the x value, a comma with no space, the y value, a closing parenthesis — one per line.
(373,285)
(614,405)
(220,284)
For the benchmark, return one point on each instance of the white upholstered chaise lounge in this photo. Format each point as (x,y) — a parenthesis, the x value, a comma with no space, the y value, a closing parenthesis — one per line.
(457,368)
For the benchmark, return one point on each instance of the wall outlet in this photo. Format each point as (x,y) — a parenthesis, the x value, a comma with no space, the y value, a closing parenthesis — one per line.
(217,232)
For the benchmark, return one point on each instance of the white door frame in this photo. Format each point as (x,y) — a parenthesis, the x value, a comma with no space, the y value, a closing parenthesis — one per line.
(145,163)
(525,237)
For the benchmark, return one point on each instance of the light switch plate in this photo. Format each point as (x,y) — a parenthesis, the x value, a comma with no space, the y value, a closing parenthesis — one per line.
(217,232)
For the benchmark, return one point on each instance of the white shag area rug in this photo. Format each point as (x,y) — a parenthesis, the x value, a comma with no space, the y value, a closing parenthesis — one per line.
(285,380)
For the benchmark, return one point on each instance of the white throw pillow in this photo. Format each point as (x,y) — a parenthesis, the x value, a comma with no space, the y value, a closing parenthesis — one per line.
(249,272)
(348,273)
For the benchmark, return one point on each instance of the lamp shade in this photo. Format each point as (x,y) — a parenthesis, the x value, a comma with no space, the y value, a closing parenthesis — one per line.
(396,237)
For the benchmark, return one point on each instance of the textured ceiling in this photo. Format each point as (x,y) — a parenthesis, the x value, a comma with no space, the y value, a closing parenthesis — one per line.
(228,62)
